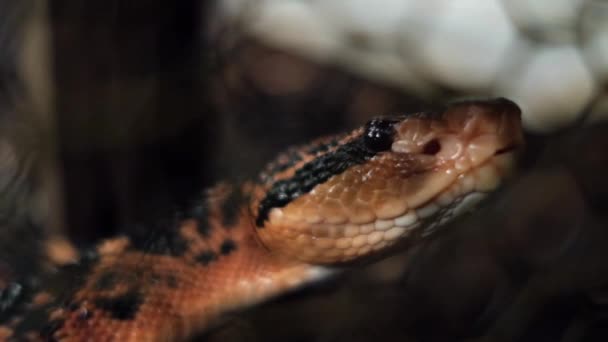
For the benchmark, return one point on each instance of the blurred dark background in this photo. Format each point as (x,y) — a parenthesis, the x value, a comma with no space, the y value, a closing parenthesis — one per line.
(150,107)
(134,125)
(150,102)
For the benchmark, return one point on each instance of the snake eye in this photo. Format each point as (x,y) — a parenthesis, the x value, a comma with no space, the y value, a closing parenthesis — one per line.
(379,134)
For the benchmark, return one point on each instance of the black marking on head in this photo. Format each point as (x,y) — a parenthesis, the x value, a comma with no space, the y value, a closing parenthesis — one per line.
(286,160)
(227,246)
(322,146)
(312,173)
(107,281)
(379,134)
(231,207)
(123,307)
(206,257)
(295,155)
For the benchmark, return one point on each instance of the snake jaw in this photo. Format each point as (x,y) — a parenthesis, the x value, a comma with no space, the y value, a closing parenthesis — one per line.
(392,180)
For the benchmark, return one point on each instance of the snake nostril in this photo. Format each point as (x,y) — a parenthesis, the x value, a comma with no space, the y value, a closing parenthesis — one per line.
(432,147)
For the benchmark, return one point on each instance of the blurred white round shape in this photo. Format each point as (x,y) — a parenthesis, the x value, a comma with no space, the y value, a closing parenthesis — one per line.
(416,24)
(377,21)
(594,30)
(295,26)
(467,45)
(596,53)
(552,19)
(552,89)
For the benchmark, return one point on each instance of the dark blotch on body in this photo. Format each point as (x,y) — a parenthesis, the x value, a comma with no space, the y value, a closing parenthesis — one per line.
(206,257)
(84,315)
(231,207)
(67,281)
(200,213)
(73,306)
(37,320)
(167,279)
(161,240)
(227,247)
(107,281)
(171,243)
(312,173)
(171,281)
(123,307)
(50,329)
(14,300)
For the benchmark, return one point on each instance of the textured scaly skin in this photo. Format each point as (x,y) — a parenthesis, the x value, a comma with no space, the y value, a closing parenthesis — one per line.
(315,209)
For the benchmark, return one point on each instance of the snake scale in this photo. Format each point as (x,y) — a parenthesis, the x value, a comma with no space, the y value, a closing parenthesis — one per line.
(315,210)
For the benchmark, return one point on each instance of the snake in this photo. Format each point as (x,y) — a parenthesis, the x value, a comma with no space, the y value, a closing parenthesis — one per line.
(316,210)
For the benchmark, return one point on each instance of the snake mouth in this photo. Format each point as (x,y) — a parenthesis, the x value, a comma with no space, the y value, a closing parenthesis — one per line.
(512,148)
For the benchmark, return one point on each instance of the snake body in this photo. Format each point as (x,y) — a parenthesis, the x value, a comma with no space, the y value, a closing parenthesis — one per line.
(315,210)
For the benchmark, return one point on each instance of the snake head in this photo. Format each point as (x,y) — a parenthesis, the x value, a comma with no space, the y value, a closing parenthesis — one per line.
(352,196)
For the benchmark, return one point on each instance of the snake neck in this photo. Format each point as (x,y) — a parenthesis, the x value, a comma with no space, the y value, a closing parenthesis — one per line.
(197,269)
